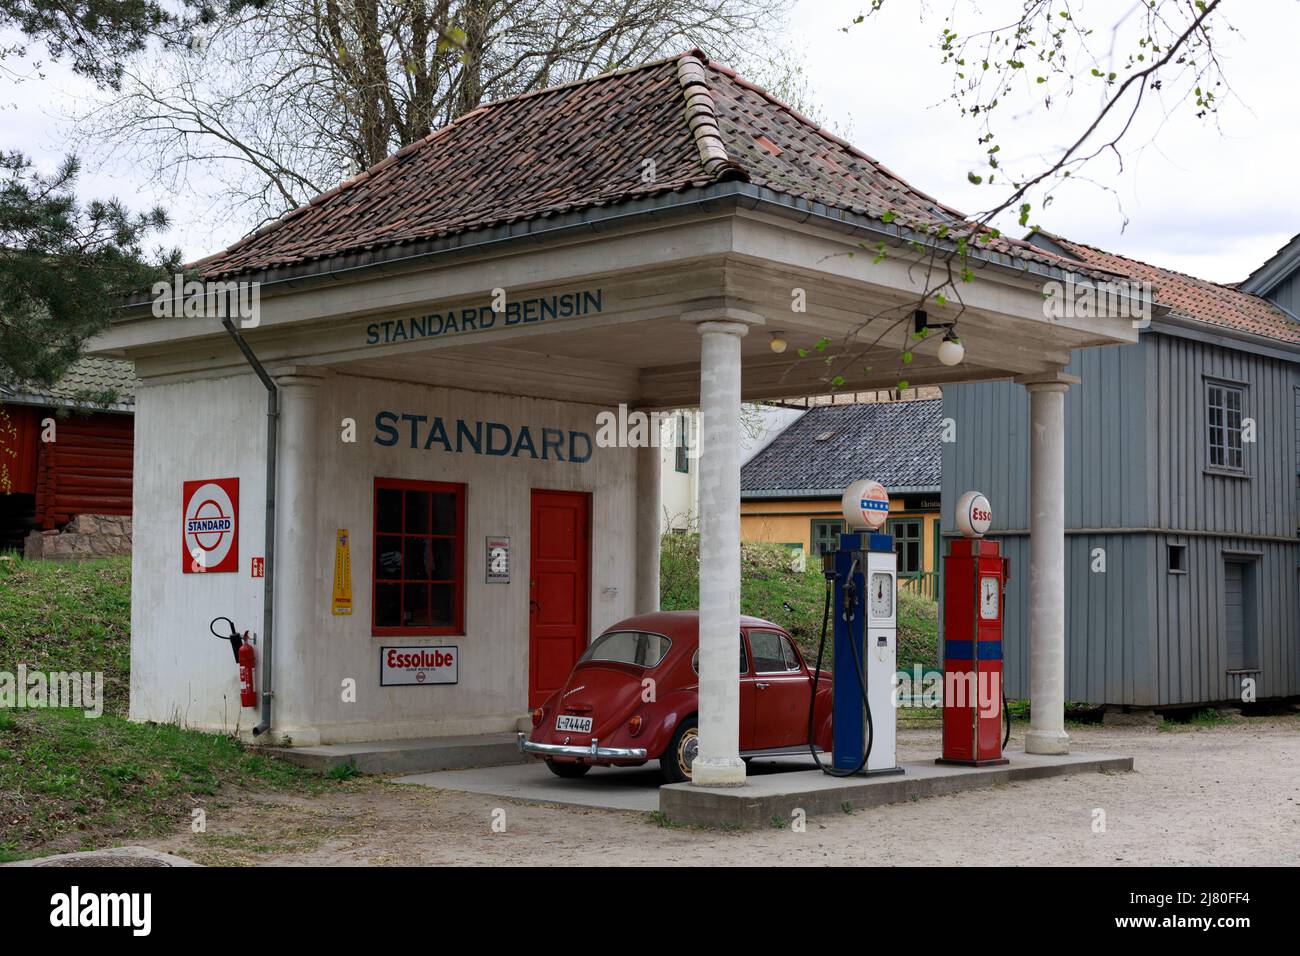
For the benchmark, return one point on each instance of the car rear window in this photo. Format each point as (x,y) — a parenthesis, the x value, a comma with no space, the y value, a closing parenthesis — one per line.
(640,648)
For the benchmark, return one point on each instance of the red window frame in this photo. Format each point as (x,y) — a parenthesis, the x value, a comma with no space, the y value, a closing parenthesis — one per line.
(457,627)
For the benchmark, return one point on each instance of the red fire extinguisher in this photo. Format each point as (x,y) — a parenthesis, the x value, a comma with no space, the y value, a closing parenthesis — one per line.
(247,658)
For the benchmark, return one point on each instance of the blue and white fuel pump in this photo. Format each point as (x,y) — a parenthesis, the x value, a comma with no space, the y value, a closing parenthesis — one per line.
(862,586)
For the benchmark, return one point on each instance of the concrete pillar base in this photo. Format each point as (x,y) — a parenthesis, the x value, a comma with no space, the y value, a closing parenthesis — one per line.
(718,772)
(1047,742)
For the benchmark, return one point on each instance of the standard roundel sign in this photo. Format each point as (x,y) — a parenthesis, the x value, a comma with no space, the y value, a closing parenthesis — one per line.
(210,526)
(865,504)
(974,514)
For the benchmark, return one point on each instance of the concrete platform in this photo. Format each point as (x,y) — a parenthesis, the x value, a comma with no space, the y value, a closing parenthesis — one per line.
(606,788)
(416,755)
(762,798)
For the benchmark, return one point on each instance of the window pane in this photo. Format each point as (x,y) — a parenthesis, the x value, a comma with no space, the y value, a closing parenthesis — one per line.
(442,605)
(444,513)
(388,510)
(629,647)
(388,558)
(442,562)
(769,657)
(388,605)
(417,512)
(415,604)
(791,659)
(417,559)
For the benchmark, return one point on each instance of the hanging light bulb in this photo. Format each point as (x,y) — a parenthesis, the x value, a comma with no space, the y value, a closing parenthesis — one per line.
(778,342)
(951,351)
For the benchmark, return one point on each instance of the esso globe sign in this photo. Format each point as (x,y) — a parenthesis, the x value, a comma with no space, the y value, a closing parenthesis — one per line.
(865,505)
(974,514)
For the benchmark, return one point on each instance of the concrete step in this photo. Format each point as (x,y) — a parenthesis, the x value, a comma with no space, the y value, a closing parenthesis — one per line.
(414,755)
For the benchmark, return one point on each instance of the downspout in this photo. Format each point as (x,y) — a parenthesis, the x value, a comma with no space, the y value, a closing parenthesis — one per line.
(268,602)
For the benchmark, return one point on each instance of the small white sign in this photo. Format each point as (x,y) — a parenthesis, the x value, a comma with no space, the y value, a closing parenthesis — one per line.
(413,666)
(498,559)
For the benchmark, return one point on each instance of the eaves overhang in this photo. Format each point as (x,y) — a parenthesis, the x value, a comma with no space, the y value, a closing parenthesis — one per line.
(717,198)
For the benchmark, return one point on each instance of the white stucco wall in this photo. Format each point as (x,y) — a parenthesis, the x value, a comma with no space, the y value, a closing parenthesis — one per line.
(216,428)
(680,492)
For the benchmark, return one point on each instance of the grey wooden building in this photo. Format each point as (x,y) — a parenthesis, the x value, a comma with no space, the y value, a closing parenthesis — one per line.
(1182,493)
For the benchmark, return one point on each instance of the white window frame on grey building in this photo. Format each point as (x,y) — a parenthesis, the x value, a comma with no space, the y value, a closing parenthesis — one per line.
(1225,410)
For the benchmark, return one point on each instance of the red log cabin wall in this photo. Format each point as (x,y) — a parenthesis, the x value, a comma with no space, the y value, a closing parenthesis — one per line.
(86,470)
(20,427)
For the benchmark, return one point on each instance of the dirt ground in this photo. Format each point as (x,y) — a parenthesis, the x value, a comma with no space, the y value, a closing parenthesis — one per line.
(1225,795)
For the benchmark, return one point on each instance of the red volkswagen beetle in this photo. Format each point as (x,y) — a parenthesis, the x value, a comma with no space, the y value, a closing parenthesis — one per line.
(633,696)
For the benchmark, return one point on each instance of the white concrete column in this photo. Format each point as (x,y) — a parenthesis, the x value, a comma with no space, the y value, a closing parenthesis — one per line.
(298,555)
(1047,562)
(648,509)
(718,762)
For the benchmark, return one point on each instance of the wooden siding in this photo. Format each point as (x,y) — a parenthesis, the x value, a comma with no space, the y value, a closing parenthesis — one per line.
(1187,497)
(87,469)
(1136,480)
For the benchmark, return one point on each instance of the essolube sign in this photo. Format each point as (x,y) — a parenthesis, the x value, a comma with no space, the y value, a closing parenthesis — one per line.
(415,666)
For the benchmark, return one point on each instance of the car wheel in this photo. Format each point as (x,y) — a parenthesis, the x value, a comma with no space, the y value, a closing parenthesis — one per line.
(569,771)
(675,763)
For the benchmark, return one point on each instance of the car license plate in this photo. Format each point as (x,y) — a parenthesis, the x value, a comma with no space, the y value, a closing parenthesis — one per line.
(575,725)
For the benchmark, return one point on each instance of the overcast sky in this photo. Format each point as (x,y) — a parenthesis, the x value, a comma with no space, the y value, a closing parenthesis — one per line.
(1211,199)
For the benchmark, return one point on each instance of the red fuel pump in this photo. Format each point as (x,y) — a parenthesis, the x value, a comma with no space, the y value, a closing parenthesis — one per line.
(975,578)
(247,659)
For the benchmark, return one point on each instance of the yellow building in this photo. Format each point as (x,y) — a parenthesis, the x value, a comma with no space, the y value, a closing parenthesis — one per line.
(790,491)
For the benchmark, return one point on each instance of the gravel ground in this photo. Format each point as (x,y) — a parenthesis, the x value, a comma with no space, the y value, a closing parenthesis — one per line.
(1225,795)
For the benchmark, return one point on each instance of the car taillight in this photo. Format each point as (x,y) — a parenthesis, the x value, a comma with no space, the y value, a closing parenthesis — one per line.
(634,725)
(537,716)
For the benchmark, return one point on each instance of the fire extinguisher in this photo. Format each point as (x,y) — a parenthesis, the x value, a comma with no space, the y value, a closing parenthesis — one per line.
(247,695)
(245,657)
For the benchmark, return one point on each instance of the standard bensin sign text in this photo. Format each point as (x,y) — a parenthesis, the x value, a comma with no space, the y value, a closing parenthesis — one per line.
(564,305)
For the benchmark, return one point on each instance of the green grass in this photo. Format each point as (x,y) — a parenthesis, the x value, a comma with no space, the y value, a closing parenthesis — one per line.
(1205,718)
(767,584)
(68,781)
(69,616)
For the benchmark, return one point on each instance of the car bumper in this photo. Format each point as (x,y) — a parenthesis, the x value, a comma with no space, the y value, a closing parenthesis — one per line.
(592,752)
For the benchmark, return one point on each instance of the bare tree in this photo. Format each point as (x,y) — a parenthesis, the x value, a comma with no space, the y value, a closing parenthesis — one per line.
(1156,56)
(296,95)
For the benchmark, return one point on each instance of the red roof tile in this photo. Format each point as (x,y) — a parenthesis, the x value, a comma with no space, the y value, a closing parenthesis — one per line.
(586,145)
(1199,299)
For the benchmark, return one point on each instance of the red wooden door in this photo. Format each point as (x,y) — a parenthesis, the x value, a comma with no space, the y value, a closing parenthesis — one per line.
(559,589)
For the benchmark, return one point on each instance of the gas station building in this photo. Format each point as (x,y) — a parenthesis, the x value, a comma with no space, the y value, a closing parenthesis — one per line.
(440,335)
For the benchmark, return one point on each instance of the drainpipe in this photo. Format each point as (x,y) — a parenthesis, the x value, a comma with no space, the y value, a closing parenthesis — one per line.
(268,609)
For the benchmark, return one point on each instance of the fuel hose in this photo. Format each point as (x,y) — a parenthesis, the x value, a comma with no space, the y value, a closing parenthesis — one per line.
(817,673)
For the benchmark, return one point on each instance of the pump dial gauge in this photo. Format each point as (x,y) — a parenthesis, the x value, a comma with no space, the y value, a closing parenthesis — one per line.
(882,595)
(990,593)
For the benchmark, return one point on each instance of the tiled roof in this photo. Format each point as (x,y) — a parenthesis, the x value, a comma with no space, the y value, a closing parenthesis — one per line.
(1195,298)
(896,443)
(88,378)
(670,126)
